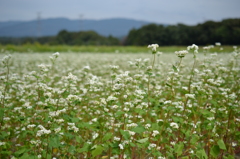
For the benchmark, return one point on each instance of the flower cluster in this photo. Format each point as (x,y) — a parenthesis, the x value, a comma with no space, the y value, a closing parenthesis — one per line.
(153,47)
(193,47)
(182,53)
(42,131)
(6,59)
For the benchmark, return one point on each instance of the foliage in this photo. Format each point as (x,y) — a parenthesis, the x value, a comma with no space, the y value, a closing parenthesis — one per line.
(226,32)
(65,38)
(83,38)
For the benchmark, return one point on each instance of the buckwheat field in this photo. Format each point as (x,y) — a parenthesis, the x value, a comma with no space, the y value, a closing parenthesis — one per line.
(149,105)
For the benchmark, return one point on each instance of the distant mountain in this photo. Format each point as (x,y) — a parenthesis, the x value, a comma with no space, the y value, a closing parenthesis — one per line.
(116,27)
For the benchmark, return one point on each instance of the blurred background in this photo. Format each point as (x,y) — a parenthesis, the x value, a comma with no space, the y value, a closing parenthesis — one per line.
(119,22)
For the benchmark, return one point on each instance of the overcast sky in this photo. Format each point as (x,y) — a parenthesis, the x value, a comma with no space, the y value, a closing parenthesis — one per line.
(159,11)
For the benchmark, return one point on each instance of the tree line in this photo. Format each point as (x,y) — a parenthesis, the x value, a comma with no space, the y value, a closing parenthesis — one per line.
(226,32)
(65,37)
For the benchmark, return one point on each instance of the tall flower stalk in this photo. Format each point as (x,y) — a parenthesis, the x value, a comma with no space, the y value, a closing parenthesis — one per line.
(195,51)
(153,48)
(180,54)
(193,48)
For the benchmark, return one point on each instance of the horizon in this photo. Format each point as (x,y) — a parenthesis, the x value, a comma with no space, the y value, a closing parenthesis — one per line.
(49,18)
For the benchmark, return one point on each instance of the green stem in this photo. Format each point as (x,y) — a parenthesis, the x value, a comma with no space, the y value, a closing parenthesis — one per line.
(149,80)
(47,147)
(153,60)
(180,63)
(192,75)
(189,84)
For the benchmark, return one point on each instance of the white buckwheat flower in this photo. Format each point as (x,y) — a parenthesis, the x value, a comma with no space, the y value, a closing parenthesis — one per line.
(54,56)
(153,47)
(234,144)
(193,47)
(147,126)
(5,59)
(155,132)
(31,126)
(152,146)
(95,135)
(174,125)
(182,53)
(116,138)
(111,98)
(192,96)
(2,143)
(121,146)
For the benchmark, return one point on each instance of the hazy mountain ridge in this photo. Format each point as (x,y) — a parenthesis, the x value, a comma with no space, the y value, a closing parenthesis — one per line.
(49,27)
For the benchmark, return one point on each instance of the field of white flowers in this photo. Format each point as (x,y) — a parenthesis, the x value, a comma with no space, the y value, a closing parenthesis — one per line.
(135,106)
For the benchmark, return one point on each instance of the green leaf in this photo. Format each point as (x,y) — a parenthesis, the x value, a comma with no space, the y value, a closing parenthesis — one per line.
(119,113)
(3,135)
(228,157)
(75,120)
(221,144)
(169,85)
(24,156)
(157,153)
(32,157)
(125,134)
(21,151)
(194,139)
(214,102)
(85,148)
(206,112)
(187,133)
(54,142)
(175,69)
(178,148)
(79,139)
(107,136)
(215,150)
(6,152)
(201,154)
(177,119)
(69,135)
(97,151)
(143,140)
(138,129)
(132,144)
(155,126)
(72,149)
(1,113)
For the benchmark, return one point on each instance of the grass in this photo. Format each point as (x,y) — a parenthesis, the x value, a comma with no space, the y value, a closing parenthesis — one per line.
(120,105)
